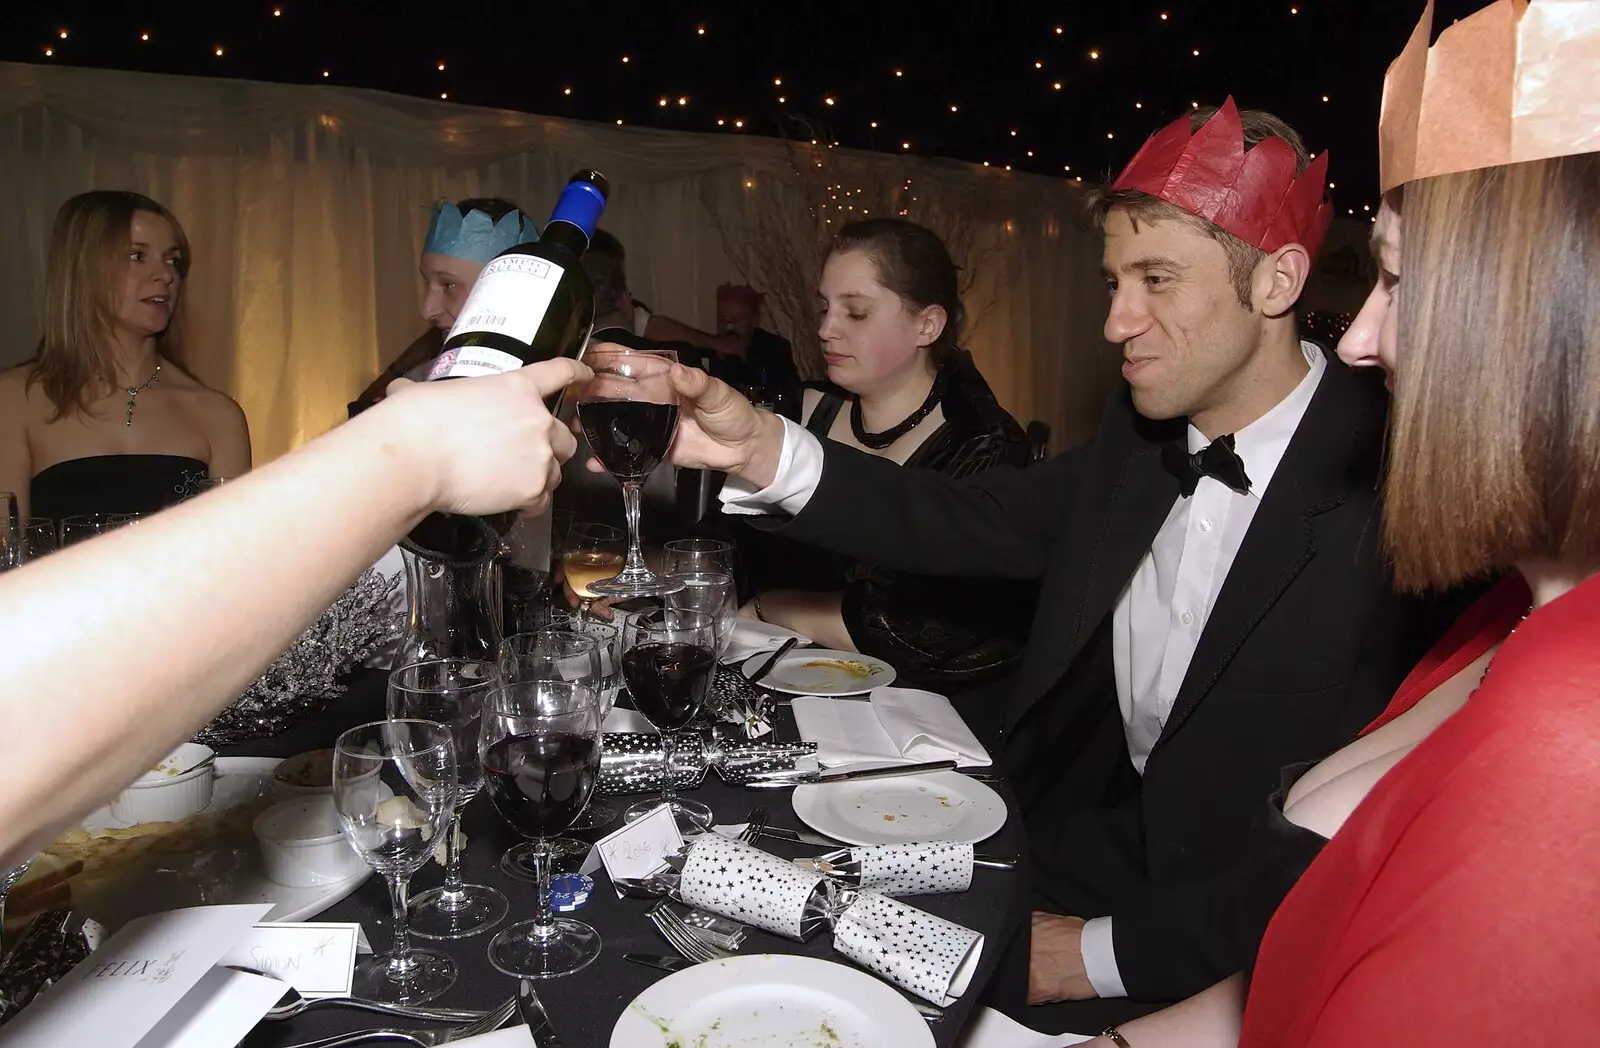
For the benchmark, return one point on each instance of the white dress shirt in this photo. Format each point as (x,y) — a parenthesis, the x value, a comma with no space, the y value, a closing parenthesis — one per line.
(1162,611)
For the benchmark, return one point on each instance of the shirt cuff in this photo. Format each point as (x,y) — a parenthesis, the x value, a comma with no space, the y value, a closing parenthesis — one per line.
(1100,958)
(799,473)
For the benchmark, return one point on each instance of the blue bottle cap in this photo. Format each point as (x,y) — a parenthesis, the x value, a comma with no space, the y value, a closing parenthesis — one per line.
(570,891)
(580,204)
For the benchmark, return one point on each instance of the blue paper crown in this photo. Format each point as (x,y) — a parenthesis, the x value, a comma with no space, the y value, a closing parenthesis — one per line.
(475,237)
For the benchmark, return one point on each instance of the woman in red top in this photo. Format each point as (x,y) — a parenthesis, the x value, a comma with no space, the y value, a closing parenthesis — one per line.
(1456,902)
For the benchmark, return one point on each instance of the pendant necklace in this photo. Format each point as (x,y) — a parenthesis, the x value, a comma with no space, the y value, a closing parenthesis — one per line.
(133,393)
(879,441)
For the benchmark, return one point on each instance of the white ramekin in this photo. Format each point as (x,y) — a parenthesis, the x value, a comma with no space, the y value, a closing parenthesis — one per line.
(301,845)
(289,767)
(157,797)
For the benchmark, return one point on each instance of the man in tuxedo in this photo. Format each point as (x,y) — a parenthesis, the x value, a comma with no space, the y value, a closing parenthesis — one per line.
(1214,606)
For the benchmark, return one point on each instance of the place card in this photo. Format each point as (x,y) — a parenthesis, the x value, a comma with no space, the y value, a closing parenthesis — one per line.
(316,959)
(137,976)
(639,848)
(223,1007)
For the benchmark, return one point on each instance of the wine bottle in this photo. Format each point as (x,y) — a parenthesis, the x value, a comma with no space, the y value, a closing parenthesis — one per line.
(532,302)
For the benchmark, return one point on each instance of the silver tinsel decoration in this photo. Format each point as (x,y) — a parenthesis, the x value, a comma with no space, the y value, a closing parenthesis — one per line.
(307,677)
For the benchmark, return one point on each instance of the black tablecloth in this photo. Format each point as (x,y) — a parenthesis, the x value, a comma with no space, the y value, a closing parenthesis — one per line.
(584,1006)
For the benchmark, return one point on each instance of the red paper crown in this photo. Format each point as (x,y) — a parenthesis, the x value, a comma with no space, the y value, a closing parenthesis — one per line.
(1252,193)
(740,293)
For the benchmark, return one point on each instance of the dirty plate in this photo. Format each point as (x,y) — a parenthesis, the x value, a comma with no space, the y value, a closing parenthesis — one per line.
(770,1000)
(819,671)
(945,806)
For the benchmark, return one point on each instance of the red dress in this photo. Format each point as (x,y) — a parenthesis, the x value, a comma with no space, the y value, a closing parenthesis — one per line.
(1460,903)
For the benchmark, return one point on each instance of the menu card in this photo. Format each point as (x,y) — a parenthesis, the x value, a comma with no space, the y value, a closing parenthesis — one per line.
(127,986)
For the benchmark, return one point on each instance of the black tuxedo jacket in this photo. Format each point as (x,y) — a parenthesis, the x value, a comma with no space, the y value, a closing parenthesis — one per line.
(1305,643)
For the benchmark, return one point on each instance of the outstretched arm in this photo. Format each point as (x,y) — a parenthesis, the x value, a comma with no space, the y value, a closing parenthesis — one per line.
(121,647)
(1000,524)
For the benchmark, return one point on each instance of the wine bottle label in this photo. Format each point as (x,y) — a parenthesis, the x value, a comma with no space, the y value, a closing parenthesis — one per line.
(510,298)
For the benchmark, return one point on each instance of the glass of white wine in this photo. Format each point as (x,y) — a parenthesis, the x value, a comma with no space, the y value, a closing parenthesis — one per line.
(593,552)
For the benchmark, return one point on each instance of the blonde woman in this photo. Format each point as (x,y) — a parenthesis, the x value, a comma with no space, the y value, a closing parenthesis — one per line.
(103,418)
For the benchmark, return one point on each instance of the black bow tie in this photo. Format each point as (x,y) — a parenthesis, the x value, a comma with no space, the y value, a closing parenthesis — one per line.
(1217,460)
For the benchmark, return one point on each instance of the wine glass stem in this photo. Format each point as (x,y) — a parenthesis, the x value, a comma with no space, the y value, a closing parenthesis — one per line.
(584,603)
(544,922)
(669,744)
(631,494)
(452,892)
(400,962)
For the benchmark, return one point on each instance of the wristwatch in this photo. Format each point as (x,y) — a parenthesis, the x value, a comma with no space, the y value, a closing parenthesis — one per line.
(1115,1037)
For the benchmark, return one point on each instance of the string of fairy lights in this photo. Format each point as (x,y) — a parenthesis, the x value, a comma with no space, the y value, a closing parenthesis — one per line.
(1060,62)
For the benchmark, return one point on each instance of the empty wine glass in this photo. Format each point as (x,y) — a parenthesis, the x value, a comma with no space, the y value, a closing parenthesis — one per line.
(668,659)
(683,556)
(540,749)
(629,412)
(592,552)
(712,593)
(394,785)
(451,692)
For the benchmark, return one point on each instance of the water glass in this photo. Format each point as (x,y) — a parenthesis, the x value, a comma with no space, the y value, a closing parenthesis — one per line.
(683,556)
(394,786)
(714,594)
(451,692)
(39,536)
(10,532)
(540,750)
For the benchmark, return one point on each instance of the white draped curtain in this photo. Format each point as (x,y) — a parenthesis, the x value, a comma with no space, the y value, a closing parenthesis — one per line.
(306,208)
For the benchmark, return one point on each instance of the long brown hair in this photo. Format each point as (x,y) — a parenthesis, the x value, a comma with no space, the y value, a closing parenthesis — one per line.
(83,287)
(1495,450)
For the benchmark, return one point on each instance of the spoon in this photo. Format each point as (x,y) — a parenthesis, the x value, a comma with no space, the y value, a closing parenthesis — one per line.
(292,1004)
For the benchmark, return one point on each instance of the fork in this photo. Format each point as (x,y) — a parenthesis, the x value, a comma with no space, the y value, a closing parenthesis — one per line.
(687,942)
(419,1038)
(754,824)
(681,937)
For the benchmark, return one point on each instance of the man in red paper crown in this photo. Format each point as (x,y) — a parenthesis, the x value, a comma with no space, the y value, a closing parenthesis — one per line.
(1213,604)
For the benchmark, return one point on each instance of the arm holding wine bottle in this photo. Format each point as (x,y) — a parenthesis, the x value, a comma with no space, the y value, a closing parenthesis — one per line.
(225,581)
(999,524)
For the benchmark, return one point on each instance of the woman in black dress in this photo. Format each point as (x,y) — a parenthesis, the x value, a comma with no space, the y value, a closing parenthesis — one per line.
(898,387)
(104,419)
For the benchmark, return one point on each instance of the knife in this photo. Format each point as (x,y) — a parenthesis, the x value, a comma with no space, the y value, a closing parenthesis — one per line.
(532,1011)
(892,771)
(766,667)
(665,963)
(780,833)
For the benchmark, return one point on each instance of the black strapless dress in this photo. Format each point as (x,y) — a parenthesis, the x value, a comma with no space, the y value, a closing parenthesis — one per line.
(113,484)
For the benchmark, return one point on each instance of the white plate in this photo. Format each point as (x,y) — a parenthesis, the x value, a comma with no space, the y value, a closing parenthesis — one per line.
(771,1000)
(229,872)
(806,671)
(945,806)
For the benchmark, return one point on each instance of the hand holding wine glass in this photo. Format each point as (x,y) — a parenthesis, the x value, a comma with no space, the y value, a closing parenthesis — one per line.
(629,412)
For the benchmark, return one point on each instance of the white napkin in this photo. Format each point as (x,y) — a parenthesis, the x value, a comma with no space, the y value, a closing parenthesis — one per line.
(752,636)
(510,1037)
(895,726)
(991,1029)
